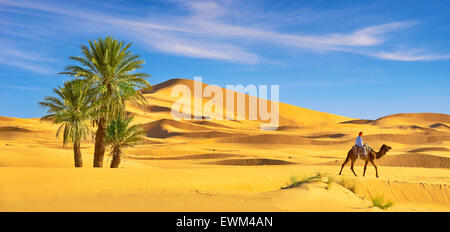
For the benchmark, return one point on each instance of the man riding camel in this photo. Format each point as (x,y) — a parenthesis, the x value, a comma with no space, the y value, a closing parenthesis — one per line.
(359,142)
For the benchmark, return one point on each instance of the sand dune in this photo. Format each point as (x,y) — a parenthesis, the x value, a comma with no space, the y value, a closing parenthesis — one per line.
(331,136)
(193,157)
(409,160)
(163,91)
(424,194)
(407,120)
(212,124)
(358,121)
(416,160)
(439,126)
(276,139)
(229,165)
(13,129)
(426,149)
(413,138)
(166,128)
(413,127)
(174,124)
(249,162)
(414,117)
(310,140)
(288,128)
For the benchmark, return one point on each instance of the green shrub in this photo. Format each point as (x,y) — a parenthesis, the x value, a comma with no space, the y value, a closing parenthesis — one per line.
(330,181)
(294,181)
(379,202)
(308,179)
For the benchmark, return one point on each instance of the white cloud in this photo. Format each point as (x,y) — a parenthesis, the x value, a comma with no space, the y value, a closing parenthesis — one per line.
(219,51)
(20,54)
(30,66)
(20,87)
(368,36)
(410,56)
(204,33)
(27,60)
(205,9)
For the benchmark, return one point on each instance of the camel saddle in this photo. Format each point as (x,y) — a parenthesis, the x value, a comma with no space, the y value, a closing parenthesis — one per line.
(359,151)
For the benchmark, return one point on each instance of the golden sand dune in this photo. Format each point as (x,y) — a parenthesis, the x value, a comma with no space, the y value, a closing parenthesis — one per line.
(440,126)
(161,95)
(230,165)
(11,129)
(411,160)
(250,162)
(408,120)
(417,118)
(425,149)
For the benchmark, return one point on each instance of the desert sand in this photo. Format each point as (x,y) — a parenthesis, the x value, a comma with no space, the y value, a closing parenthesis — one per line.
(230,165)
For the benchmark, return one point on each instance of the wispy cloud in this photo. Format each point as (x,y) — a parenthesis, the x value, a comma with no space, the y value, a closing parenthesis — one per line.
(19,87)
(368,36)
(208,30)
(410,56)
(27,60)
(27,66)
(341,82)
(212,51)
(25,55)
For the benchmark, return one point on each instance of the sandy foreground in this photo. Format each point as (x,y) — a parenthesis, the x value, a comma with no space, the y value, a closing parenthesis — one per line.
(230,165)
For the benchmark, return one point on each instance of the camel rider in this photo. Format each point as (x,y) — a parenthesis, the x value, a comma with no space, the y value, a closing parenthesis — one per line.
(359,142)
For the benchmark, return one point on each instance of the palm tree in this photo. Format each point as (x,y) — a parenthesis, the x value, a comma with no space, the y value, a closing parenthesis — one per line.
(73,108)
(120,134)
(109,66)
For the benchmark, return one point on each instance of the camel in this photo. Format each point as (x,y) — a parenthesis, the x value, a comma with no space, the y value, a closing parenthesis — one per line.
(371,156)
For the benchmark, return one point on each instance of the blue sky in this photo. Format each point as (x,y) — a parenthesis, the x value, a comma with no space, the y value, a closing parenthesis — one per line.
(362,59)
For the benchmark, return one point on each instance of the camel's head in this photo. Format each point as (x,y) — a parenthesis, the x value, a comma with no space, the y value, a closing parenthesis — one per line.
(383,150)
(386,147)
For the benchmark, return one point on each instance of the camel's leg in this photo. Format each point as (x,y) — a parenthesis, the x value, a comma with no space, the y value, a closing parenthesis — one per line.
(376,169)
(353,162)
(365,166)
(345,162)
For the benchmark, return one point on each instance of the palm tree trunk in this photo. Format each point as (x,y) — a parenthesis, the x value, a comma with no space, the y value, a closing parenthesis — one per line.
(99,151)
(77,154)
(116,158)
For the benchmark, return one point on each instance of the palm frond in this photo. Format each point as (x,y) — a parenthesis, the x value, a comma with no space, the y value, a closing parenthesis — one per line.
(120,133)
(73,107)
(109,67)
